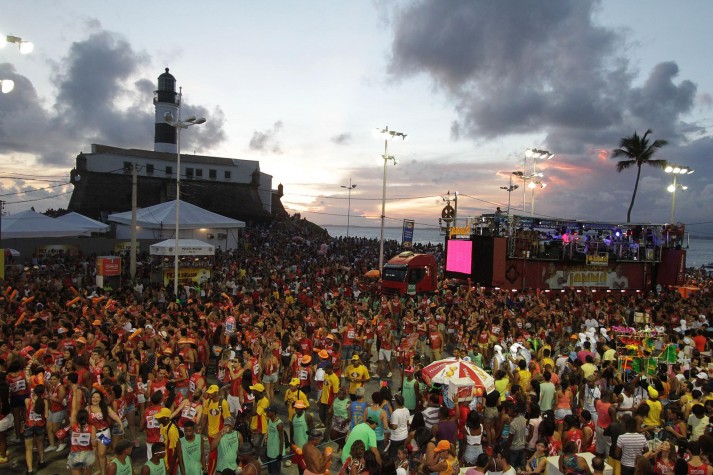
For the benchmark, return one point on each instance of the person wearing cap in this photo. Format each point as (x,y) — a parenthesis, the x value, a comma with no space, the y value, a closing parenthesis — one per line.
(248,462)
(156,465)
(357,374)
(216,411)
(171,437)
(301,424)
(275,442)
(121,463)
(317,463)
(294,394)
(365,433)
(225,444)
(653,418)
(444,461)
(191,457)
(258,421)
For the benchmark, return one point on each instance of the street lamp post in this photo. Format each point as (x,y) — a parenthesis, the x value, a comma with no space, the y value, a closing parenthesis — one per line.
(535,154)
(26,47)
(509,189)
(676,170)
(389,134)
(349,201)
(179,125)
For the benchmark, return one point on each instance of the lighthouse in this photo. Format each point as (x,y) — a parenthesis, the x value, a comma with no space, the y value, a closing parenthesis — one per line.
(165,99)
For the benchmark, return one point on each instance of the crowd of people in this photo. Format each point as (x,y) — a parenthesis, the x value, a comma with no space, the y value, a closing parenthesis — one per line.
(288,356)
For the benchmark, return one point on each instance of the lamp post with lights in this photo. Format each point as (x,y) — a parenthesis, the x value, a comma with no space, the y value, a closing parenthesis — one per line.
(534,155)
(510,189)
(179,125)
(672,188)
(25,46)
(349,201)
(388,134)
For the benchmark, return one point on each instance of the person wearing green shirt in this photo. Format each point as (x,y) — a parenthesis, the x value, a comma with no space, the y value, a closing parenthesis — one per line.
(275,441)
(191,457)
(410,390)
(301,424)
(340,418)
(156,465)
(227,442)
(121,464)
(364,432)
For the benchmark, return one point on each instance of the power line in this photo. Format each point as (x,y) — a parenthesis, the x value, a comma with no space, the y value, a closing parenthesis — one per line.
(37,199)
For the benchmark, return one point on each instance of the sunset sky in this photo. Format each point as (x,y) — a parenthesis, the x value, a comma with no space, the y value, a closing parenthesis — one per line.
(300,86)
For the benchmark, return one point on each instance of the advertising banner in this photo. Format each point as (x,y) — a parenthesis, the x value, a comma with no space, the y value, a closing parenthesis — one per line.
(108,266)
(407,236)
(54,249)
(187,275)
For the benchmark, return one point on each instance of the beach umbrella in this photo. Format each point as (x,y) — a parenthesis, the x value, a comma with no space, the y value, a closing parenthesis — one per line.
(373,273)
(442,370)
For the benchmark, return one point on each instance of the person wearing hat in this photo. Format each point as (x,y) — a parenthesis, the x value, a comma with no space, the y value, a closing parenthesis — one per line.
(294,394)
(216,411)
(246,456)
(364,432)
(226,444)
(275,442)
(302,423)
(258,421)
(444,461)
(305,373)
(121,463)
(357,374)
(169,436)
(316,462)
(653,418)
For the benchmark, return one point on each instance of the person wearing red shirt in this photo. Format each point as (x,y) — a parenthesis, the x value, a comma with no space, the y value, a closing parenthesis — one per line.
(151,424)
(700,341)
(36,411)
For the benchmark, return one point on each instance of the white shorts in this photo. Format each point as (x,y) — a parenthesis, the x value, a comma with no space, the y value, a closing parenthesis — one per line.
(7,422)
(384,355)
(233,404)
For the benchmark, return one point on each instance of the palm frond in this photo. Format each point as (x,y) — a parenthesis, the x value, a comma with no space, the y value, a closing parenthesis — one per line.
(625,164)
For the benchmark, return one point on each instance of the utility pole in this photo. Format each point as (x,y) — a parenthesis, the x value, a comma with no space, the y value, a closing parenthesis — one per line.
(134,199)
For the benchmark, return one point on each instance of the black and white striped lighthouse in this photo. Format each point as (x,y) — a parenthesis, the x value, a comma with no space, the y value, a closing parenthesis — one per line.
(165,99)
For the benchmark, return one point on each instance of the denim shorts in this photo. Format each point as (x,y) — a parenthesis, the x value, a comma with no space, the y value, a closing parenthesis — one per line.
(33,431)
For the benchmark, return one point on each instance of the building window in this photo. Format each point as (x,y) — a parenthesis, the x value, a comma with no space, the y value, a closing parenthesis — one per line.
(189,173)
(149,168)
(199,173)
(169,171)
(212,174)
(226,175)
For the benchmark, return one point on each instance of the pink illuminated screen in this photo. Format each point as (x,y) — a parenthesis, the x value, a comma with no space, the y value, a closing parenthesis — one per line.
(460,256)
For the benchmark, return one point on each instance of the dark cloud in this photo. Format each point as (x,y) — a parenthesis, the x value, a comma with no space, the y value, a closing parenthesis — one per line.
(509,68)
(342,139)
(267,140)
(103,97)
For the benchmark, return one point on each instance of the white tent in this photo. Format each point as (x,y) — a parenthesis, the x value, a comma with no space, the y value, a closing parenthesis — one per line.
(79,220)
(186,247)
(159,222)
(30,224)
(163,216)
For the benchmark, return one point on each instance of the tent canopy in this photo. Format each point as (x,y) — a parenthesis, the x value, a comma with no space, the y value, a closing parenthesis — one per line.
(162,216)
(30,224)
(186,247)
(79,220)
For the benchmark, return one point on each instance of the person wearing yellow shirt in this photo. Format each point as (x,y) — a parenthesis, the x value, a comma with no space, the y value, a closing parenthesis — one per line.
(524,375)
(330,388)
(546,359)
(589,368)
(258,422)
(609,353)
(294,394)
(170,437)
(357,375)
(216,410)
(653,418)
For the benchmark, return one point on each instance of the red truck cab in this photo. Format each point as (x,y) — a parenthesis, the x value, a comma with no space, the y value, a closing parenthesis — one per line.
(409,273)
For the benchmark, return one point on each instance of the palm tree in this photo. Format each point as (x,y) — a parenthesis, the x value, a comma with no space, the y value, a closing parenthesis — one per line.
(637,152)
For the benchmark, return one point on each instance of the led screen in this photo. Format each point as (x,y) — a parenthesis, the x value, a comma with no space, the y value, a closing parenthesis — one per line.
(460,256)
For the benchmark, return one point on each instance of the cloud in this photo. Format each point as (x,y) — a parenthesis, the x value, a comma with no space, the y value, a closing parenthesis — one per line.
(342,139)
(103,96)
(267,140)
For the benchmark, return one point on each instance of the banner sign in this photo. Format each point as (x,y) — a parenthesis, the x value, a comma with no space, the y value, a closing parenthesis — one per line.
(54,249)
(108,266)
(407,237)
(187,275)
(602,260)
(462,231)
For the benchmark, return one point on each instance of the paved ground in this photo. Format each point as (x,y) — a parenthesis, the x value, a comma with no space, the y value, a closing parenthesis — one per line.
(57,462)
